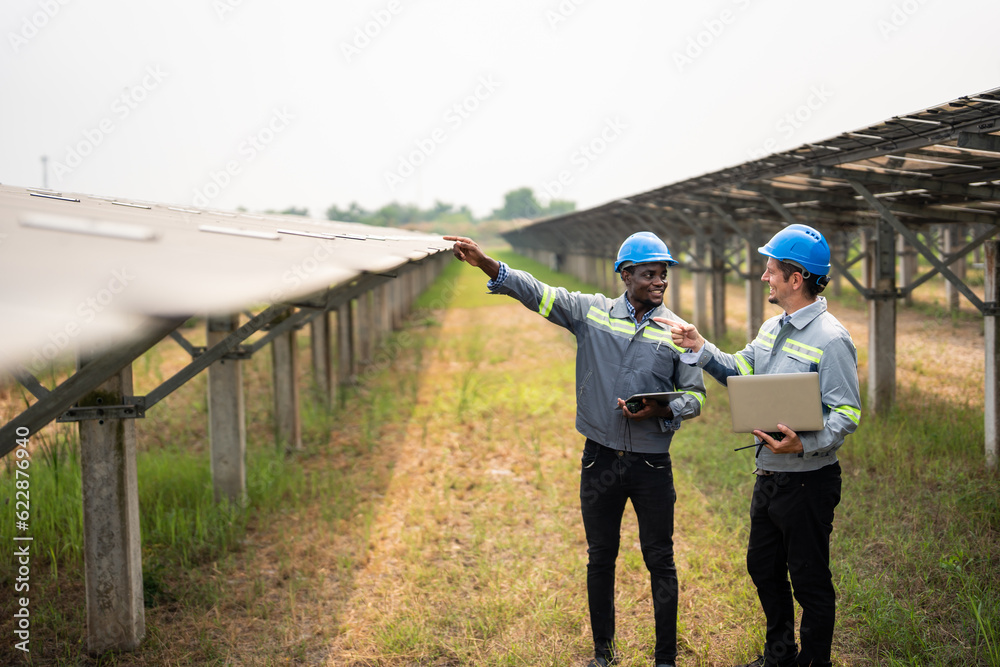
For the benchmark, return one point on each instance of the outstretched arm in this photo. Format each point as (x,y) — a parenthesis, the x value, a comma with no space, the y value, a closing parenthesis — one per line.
(469,252)
(683,335)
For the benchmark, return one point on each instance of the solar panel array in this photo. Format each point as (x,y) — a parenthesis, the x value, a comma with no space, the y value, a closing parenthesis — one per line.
(88,270)
(938,165)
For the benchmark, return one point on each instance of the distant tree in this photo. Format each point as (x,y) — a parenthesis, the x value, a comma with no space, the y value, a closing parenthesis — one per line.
(291,210)
(353,213)
(520,203)
(439,210)
(559,207)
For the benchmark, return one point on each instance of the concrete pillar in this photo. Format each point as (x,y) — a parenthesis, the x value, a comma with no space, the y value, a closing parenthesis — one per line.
(907,266)
(287,419)
(674,291)
(371,323)
(882,321)
(839,249)
(319,340)
(346,358)
(700,309)
(953,234)
(991,332)
(754,287)
(226,418)
(866,261)
(718,283)
(112,550)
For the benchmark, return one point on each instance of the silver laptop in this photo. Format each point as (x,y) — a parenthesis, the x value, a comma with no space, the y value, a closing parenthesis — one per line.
(764,401)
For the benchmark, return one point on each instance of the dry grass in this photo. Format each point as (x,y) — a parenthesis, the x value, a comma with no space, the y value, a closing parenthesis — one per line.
(437,521)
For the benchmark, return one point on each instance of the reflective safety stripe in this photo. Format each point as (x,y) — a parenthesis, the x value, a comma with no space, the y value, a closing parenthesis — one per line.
(807,352)
(621,326)
(766,340)
(854,414)
(697,395)
(662,336)
(548,299)
(742,364)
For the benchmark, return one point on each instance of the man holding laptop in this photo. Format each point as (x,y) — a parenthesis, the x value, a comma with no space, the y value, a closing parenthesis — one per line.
(798,474)
(621,354)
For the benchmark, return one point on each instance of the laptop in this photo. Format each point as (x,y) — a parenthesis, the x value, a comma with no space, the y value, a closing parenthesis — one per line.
(764,401)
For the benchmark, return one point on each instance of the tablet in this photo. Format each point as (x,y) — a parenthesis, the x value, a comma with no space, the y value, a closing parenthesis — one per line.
(764,401)
(661,397)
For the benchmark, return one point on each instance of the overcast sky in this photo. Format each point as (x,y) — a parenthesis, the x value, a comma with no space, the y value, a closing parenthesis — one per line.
(227,103)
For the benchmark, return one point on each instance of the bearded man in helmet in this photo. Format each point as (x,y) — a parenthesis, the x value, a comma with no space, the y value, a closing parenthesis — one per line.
(798,474)
(621,351)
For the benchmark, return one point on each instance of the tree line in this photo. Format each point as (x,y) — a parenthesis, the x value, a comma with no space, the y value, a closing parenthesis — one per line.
(518,204)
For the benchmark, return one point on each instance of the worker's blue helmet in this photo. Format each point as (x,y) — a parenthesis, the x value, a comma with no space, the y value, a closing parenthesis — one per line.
(643,247)
(802,246)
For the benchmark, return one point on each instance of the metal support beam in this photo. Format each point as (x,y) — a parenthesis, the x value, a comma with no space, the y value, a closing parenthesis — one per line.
(979,142)
(83,382)
(992,339)
(911,237)
(213,353)
(227,430)
(112,550)
(952,240)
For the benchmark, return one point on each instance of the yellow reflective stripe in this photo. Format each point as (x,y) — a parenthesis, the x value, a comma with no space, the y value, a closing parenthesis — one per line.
(548,299)
(743,365)
(809,348)
(656,334)
(854,414)
(599,316)
(799,353)
(697,395)
(766,340)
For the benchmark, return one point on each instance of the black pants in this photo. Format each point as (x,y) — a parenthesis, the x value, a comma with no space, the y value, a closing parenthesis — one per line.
(608,479)
(791,518)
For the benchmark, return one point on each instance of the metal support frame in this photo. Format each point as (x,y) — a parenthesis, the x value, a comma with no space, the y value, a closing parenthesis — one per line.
(912,239)
(81,383)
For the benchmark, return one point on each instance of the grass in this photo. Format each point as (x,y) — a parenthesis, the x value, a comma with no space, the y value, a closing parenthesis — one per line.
(433,518)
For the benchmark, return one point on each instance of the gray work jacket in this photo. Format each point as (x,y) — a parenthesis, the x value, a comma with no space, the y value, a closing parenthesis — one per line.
(615,359)
(811,340)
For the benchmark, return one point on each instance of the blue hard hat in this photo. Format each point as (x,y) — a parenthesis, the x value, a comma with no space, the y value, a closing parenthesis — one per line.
(800,245)
(643,247)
